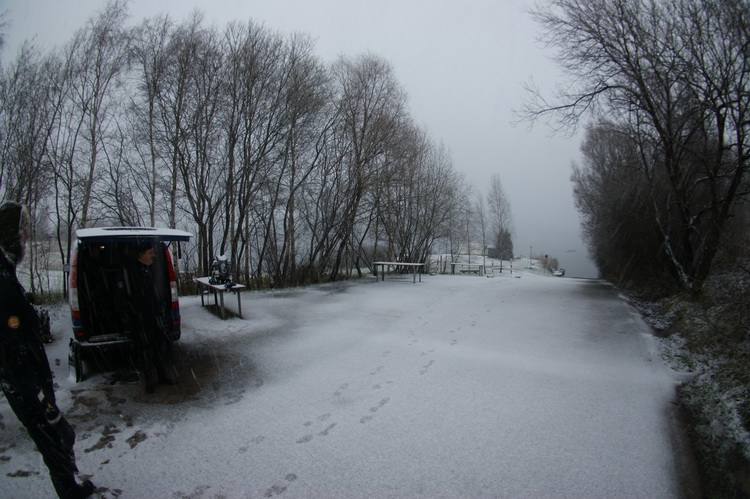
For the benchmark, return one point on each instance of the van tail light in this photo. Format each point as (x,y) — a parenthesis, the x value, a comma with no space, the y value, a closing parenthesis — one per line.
(75,309)
(173,289)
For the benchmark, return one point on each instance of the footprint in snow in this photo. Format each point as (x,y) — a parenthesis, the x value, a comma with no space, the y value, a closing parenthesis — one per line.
(304,439)
(340,389)
(426,367)
(275,490)
(373,410)
(327,429)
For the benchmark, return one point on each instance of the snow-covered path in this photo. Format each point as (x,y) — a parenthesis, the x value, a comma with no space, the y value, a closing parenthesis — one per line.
(461,386)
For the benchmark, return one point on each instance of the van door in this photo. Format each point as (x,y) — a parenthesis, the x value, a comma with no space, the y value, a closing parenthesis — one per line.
(99,285)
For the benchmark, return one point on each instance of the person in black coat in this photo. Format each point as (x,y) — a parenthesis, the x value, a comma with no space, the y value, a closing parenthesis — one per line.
(147,317)
(25,375)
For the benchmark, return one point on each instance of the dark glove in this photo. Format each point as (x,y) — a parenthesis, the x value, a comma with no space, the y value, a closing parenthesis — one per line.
(51,412)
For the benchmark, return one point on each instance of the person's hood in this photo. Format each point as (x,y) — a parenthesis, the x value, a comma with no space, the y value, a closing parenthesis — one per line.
(14,218)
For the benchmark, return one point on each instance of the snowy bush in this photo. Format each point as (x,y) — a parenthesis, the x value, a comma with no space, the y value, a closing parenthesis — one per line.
(707,336)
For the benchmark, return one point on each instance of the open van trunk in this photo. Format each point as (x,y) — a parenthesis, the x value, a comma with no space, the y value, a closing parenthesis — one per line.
(100,279)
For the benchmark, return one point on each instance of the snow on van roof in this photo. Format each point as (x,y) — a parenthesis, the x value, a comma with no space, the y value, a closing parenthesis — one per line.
(159,233)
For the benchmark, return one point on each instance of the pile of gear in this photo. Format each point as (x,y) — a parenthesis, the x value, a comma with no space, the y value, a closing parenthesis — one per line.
(221,272)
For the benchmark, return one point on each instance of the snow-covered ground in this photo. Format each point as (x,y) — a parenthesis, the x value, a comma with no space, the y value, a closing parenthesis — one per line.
(458,386)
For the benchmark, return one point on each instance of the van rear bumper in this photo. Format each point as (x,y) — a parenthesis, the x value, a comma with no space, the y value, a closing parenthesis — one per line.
(113,339)
(108,338)
(101,340)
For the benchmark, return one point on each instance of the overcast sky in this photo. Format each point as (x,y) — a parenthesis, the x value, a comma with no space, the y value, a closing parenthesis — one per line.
(462,65)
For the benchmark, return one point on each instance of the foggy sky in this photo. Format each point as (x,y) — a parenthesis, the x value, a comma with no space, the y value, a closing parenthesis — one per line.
(462,65)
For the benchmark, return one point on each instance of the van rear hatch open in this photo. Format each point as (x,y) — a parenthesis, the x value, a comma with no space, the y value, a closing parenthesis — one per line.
(98,283)
(99,293)
(132,234)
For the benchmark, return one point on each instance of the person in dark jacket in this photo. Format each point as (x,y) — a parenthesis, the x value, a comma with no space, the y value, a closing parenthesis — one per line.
(25,374)
(147,315)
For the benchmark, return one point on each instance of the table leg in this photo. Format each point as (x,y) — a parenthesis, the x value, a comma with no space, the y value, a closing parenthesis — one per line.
(239,304)
(221,294)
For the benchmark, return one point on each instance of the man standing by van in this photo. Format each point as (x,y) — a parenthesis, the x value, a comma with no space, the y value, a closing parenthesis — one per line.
(25,374)
(147,317)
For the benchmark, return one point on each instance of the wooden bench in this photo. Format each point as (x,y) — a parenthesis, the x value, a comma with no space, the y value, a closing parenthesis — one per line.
(474,268)
(416,269)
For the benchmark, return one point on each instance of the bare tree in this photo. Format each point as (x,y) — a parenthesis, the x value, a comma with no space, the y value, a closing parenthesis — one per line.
(27,122)
(370,106)
(417,198)
(306,89)
(255,129)
(150,54)
(62,153)
(324,198)
(455,228)
(27,117)
(99,58)
(500,218)
(173,97)
(201,162)
(612,195)
(4,23)
(675,73)
(481,223)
